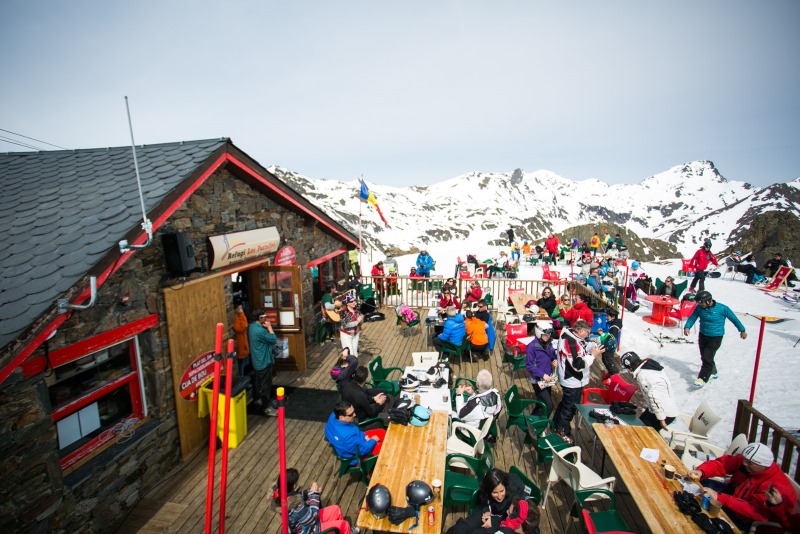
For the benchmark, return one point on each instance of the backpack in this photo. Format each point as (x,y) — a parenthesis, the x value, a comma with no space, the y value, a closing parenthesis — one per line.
(401,410)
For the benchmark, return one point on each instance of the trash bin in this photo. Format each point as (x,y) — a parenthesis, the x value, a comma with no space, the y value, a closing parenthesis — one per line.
(599,322)
(237,425)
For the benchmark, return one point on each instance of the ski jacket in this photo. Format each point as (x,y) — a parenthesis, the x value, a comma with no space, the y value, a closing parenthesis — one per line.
(594,242)
(454,330)
(701,258)
(345,437)
(474,294)
(491,334)
(424,264)
(657,389)
(547,303)
(594,283)
(580,310)
(749,500)
(478,407)
(574,362)
(304,518)
(551,243)
(476,330)
(240,328)
(712,319)
(449,300)
(361,400)
(526,249)
(539,359)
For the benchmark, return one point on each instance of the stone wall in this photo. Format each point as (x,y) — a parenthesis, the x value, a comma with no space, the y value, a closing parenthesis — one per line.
(36,496)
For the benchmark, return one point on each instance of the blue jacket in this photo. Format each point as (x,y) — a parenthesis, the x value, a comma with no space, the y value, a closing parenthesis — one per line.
(454,330)
(424,263)
(345,437)
(712,319)
(261,342)
(539,359)
(491,333)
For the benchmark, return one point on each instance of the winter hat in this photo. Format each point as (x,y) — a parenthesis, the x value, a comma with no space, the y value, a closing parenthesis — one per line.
(630,360)
(759,454)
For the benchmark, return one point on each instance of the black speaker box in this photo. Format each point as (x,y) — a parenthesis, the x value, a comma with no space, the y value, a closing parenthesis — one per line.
(178,252)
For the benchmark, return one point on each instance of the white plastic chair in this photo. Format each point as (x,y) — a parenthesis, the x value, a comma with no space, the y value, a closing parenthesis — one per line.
(577,474)
(456,445)
(700,425)
(696,451)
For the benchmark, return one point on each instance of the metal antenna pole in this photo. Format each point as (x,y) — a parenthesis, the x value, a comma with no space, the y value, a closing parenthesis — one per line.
(147,226)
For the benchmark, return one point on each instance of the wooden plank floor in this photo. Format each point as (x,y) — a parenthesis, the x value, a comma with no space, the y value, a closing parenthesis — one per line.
(177,504)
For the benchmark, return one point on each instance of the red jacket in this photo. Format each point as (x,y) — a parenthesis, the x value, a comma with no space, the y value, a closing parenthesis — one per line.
(701,258)
(551,243)
(579,311)
(474,294)
(445,301)
(749,500)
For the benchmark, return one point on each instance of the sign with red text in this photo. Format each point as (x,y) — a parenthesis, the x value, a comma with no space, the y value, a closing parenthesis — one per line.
(286,256)
(227,249)
(198,372)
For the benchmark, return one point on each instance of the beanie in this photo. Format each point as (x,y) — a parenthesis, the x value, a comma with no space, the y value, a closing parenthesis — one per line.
(759,454)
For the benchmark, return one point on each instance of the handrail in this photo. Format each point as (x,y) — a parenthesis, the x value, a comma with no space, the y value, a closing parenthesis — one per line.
(758,427)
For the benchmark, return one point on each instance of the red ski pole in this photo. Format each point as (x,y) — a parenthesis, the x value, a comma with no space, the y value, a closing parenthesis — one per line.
(212,440)
(282,456)
(223,483)
(758,359)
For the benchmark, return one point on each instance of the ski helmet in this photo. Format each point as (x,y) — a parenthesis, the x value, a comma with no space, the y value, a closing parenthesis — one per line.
(409,383)
(635,264)
(418,493)
(703,296)
(707,244)
(630,360)
(543,327)
(379,499)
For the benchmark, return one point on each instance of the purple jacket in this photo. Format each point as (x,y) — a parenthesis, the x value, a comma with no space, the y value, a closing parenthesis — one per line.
(539,360)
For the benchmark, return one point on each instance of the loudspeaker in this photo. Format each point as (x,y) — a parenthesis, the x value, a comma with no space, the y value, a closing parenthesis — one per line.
(178,252)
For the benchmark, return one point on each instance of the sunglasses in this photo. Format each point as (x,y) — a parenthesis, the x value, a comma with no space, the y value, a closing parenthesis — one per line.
(352,414)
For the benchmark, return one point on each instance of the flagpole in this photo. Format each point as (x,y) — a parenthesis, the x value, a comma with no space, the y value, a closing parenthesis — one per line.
(360,246)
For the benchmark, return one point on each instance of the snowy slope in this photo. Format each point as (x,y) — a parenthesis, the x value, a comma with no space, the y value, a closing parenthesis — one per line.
(682,205)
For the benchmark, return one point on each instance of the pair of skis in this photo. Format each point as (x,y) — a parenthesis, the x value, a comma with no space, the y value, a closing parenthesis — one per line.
(661,339)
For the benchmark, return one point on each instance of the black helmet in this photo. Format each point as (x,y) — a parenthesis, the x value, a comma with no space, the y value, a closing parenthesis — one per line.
(630,360)
(703,296)
(418,493)
(707,244)
(379,500)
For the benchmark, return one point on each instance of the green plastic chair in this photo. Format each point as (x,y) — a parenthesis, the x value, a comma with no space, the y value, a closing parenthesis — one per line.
(538,433)
(457,350)
(364,466)
(601,521)
(515,357)
(489,299)
(366,291)
(516,409)
(532,491)
(380,376)
(462,488)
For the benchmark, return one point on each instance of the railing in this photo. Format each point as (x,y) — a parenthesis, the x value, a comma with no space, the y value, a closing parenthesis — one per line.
(424,292)
(758,427)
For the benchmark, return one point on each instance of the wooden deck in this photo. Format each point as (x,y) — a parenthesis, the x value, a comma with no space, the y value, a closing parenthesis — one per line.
(177,504)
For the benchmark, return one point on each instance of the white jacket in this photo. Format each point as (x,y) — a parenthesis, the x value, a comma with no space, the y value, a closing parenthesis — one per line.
(574,360)
(478,407)
(658,392)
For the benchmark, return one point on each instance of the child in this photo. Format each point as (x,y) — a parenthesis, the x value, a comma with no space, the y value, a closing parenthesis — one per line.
(523,518)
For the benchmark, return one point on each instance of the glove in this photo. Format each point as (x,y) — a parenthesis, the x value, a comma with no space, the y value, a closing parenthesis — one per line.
(397,515)
(622,408)
(603,417)
(712,526)
(686,503)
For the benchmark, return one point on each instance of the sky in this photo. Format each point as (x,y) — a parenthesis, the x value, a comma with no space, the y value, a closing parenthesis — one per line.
(416,92)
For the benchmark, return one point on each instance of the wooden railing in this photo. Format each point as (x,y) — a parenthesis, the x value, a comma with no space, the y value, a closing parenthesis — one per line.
(758,427)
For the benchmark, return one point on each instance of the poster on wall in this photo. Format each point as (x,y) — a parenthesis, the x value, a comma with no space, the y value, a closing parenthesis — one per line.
(268,301)
(283,345)
(198,371)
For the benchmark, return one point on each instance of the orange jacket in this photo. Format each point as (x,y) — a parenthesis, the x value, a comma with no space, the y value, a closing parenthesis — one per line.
(476,331)
(240,329)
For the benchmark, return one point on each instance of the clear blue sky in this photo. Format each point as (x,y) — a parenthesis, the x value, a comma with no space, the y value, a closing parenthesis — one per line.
(416,92)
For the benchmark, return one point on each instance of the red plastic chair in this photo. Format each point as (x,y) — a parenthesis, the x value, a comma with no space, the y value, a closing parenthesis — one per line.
(514,332)
(618,390)
(547,274)
(685,310)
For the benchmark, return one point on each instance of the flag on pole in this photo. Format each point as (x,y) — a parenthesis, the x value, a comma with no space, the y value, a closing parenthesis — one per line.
(367,196)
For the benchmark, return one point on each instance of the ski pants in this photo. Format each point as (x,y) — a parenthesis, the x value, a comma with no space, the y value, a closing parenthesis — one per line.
(566,408)
(544,395)
(350,341)
(700,280)
(708,348)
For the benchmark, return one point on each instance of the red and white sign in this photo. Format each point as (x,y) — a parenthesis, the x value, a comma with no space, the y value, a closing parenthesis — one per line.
(286,256)
(198,372)
(227,249)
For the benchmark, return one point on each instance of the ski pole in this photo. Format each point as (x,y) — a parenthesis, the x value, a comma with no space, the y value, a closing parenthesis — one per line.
(223,483)
(212,439)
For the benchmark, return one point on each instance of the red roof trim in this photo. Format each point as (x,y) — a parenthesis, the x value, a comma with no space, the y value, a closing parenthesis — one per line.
(326,257)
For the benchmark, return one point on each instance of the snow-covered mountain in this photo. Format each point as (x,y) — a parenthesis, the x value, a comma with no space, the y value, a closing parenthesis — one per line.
(682,205)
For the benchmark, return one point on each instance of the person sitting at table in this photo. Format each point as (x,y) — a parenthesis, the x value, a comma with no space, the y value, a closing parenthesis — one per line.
(594,283)
(478,405)
(661,407)
(485,315)
(368,402)
(575,359)
(343,433)
(305,513)
(753,473)
(475,292)
(476,332)
(448,299)
(454,330)
(496,493)
(450,285)
(541,362)
(668,288)
(558,320)
(790,522)
(547,301)
(579,311)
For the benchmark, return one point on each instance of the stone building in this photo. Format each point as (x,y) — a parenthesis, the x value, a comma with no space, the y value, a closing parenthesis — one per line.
(98,389)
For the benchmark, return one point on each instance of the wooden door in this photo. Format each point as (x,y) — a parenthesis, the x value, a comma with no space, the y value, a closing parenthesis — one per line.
(282,298)
(193,311)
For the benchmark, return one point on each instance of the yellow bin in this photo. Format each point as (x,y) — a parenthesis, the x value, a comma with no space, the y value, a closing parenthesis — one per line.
(237,425)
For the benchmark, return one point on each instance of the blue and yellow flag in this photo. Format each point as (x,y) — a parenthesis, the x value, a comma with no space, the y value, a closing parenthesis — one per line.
(367,196)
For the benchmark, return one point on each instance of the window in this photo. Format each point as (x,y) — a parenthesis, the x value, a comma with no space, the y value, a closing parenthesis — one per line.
(96,390)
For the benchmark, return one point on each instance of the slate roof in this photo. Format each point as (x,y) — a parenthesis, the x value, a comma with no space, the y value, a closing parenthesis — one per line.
(62,211)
